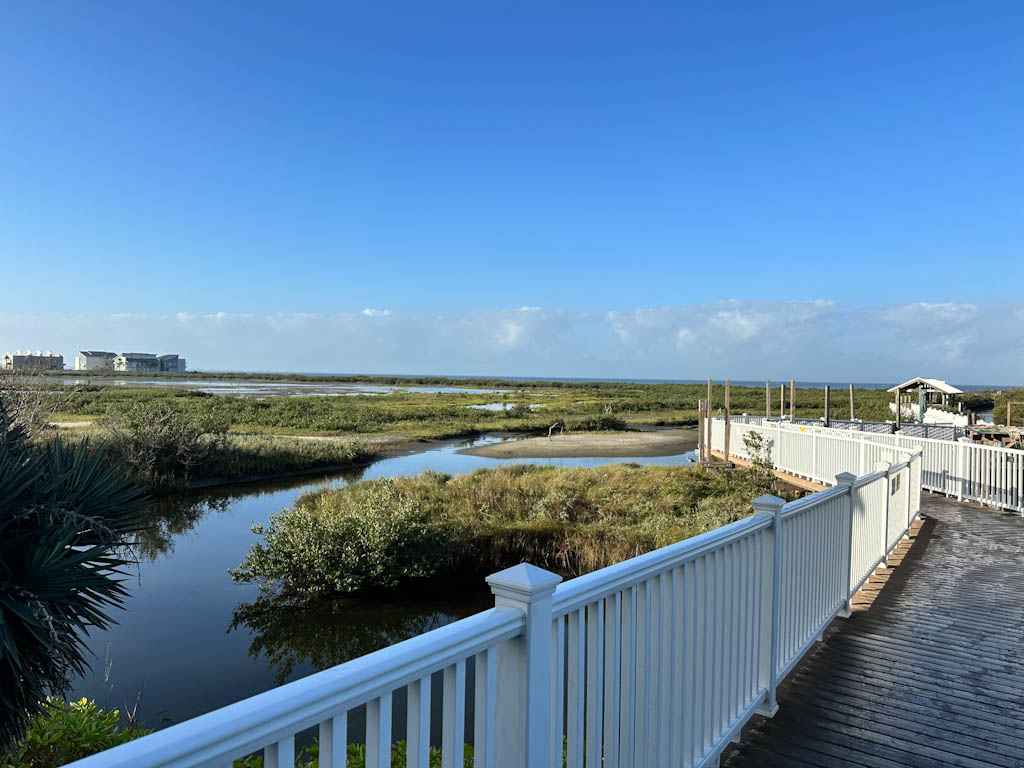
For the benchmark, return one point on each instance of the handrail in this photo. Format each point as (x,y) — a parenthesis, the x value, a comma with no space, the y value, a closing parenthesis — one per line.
(809,502)
(870,478)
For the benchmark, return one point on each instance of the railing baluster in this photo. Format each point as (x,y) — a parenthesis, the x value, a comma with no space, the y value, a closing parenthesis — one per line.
(642,675)
(454,715)
(558,691)
(652,607)
(480,711)
(333,739)
(576,688)
(676,693)
(612,675)
(627,683)
(418,724)
(378,733)
(595,682)
(665,646)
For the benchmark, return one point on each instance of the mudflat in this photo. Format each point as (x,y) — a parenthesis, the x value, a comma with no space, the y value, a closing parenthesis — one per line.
(664,442)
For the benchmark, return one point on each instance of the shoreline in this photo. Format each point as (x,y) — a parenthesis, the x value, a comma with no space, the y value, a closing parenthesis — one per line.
(646,444)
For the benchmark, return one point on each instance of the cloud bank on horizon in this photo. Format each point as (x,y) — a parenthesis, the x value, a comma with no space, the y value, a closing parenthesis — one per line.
(809,340)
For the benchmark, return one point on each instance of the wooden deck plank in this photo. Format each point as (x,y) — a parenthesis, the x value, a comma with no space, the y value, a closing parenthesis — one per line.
(927,671)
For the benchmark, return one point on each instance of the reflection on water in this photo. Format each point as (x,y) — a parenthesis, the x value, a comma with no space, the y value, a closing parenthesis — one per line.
(192,640)
(329,632)
(171,517)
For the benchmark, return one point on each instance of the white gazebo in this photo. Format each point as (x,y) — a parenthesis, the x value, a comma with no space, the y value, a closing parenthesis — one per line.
(930,392)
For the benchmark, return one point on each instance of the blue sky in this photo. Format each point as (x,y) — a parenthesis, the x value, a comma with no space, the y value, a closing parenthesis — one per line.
(279,169)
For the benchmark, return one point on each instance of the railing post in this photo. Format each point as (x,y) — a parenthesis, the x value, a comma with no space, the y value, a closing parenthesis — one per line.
(524,669)
(961,450)
(848,479)
(814,456)
(883,466)
(772,505)
(910,475)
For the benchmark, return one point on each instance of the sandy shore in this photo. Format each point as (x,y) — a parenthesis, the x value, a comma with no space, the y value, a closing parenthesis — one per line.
(667,442)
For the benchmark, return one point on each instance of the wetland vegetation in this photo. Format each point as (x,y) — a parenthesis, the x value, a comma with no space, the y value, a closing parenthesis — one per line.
(526,406)
(395,532)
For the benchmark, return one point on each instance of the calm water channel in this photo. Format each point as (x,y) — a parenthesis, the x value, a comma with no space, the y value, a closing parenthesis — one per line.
(192,640)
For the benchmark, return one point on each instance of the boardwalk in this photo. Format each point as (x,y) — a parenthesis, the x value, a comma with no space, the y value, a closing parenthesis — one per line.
(930,675)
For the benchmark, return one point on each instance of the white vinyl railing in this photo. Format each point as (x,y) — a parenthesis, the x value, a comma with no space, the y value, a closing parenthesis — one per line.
(657,660)
(988,474)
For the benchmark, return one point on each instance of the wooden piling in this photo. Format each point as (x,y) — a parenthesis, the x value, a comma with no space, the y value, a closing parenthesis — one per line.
(853,413)
(700,430)
(899,407)
(767,398)
(792,401)
(707,410)
(828,392)
(782,401)
(727,424)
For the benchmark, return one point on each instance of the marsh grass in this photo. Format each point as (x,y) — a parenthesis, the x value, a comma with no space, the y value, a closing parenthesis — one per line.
(580,406)
(382,534)
(236,457)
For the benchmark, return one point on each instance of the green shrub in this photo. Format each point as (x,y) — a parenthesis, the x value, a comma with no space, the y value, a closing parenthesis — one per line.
(161,440)
(62,733)
(374,538)
(604,422)
(239,456)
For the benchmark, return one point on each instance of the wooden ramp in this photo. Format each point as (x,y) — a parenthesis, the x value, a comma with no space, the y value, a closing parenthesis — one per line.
(930,670)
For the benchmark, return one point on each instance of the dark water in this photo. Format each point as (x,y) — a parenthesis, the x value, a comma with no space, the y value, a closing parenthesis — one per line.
(192,640)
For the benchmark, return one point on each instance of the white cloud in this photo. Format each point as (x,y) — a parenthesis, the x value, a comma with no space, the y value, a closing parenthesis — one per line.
(810,340)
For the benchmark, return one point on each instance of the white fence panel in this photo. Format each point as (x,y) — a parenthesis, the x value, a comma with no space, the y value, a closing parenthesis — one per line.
(868,500)
(814,576)
(664,654)
(970,471)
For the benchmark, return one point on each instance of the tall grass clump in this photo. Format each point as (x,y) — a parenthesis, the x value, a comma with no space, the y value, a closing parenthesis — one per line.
(381,534)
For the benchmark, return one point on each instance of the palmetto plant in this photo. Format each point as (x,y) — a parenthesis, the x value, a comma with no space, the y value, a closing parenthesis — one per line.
(66,518)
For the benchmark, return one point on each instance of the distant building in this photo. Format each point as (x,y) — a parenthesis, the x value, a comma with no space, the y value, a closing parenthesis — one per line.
(24,360)
(91,360)
(171,364)
(137,362)
(144,362)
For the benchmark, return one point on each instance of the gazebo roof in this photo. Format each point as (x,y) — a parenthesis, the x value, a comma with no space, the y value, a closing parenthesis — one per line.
(936,384)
